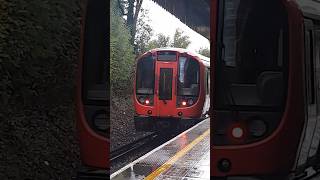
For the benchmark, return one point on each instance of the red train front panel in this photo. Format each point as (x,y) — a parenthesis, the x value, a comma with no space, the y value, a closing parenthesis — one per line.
(258,100)
(169,84)
(91,97)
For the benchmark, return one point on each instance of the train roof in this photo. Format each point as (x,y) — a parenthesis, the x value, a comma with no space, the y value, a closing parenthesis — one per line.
(205,60)
(310,8)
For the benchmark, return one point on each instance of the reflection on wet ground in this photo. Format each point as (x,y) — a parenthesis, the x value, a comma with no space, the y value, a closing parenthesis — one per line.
(186,156)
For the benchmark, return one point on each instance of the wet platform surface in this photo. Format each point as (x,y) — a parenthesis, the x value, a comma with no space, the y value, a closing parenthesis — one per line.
(187,157)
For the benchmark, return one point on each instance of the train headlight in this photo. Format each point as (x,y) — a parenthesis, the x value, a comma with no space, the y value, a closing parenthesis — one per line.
(184,103)
(237,132)
(257,128)
(147,101)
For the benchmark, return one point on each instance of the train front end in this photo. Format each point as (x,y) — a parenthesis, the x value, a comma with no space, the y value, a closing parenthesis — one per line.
(257,103)
(169,90)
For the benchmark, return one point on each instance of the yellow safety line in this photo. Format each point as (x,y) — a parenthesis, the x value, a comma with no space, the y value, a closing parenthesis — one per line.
(177,156)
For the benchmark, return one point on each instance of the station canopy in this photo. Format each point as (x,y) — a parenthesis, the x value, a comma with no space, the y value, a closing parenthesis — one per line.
(194,13)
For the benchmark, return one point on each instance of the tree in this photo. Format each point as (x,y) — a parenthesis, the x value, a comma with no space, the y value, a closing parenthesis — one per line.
(131,9)
(143,34)
(180,40)
(121,51)
(204,51)
(161,41)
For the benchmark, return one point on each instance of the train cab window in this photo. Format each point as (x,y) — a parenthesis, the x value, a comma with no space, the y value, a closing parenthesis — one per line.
(189,77)
(145,76)
(95,91)
(94,66)
(252,63)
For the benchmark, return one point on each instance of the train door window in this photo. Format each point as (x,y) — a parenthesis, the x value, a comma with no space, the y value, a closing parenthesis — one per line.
(189,77)
(145,76)
(165,84)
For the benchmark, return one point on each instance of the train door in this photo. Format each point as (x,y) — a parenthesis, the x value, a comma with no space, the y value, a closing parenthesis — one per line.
(165,94)
(311,133)
(317,59)
(207,85)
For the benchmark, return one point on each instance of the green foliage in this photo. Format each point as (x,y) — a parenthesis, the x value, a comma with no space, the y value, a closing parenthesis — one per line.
(180,40)
(121,51)
(204,51)
(161,41)
(144,32)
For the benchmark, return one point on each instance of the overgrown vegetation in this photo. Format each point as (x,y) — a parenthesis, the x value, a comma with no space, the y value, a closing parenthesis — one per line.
(204,51)
(121,51)
(39,42)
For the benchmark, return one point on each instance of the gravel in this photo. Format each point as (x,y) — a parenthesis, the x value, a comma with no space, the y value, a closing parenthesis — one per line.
(122,124)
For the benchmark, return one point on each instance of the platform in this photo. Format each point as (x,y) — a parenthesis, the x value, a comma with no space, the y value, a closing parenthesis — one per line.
(186,156)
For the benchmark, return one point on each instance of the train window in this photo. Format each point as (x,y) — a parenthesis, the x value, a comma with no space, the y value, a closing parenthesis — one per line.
(252,55)
(145,75)
(95,91)
(165,84)
(95,65)
(189,77)
(167,56)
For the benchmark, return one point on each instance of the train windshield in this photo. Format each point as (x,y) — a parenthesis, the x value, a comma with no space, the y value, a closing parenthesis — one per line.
(145,76)
(188,77)
(95,66)
(252,54)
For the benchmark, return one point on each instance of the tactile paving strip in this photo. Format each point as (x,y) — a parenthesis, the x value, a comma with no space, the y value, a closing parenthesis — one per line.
(195,164)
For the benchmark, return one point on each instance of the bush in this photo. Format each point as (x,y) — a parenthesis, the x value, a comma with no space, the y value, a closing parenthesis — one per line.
(121,51)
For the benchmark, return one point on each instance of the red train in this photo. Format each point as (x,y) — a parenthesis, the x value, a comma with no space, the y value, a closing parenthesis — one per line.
(265,100)
(92,98)
(171,89)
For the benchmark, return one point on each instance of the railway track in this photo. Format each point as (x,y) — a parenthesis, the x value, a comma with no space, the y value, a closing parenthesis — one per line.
(136,149)
(131,147)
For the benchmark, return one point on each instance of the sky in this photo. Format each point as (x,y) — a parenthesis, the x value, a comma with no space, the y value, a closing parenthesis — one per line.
(161,21)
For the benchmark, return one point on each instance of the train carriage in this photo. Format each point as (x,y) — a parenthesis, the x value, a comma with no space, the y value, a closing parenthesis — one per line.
(265,100)
(171,90)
